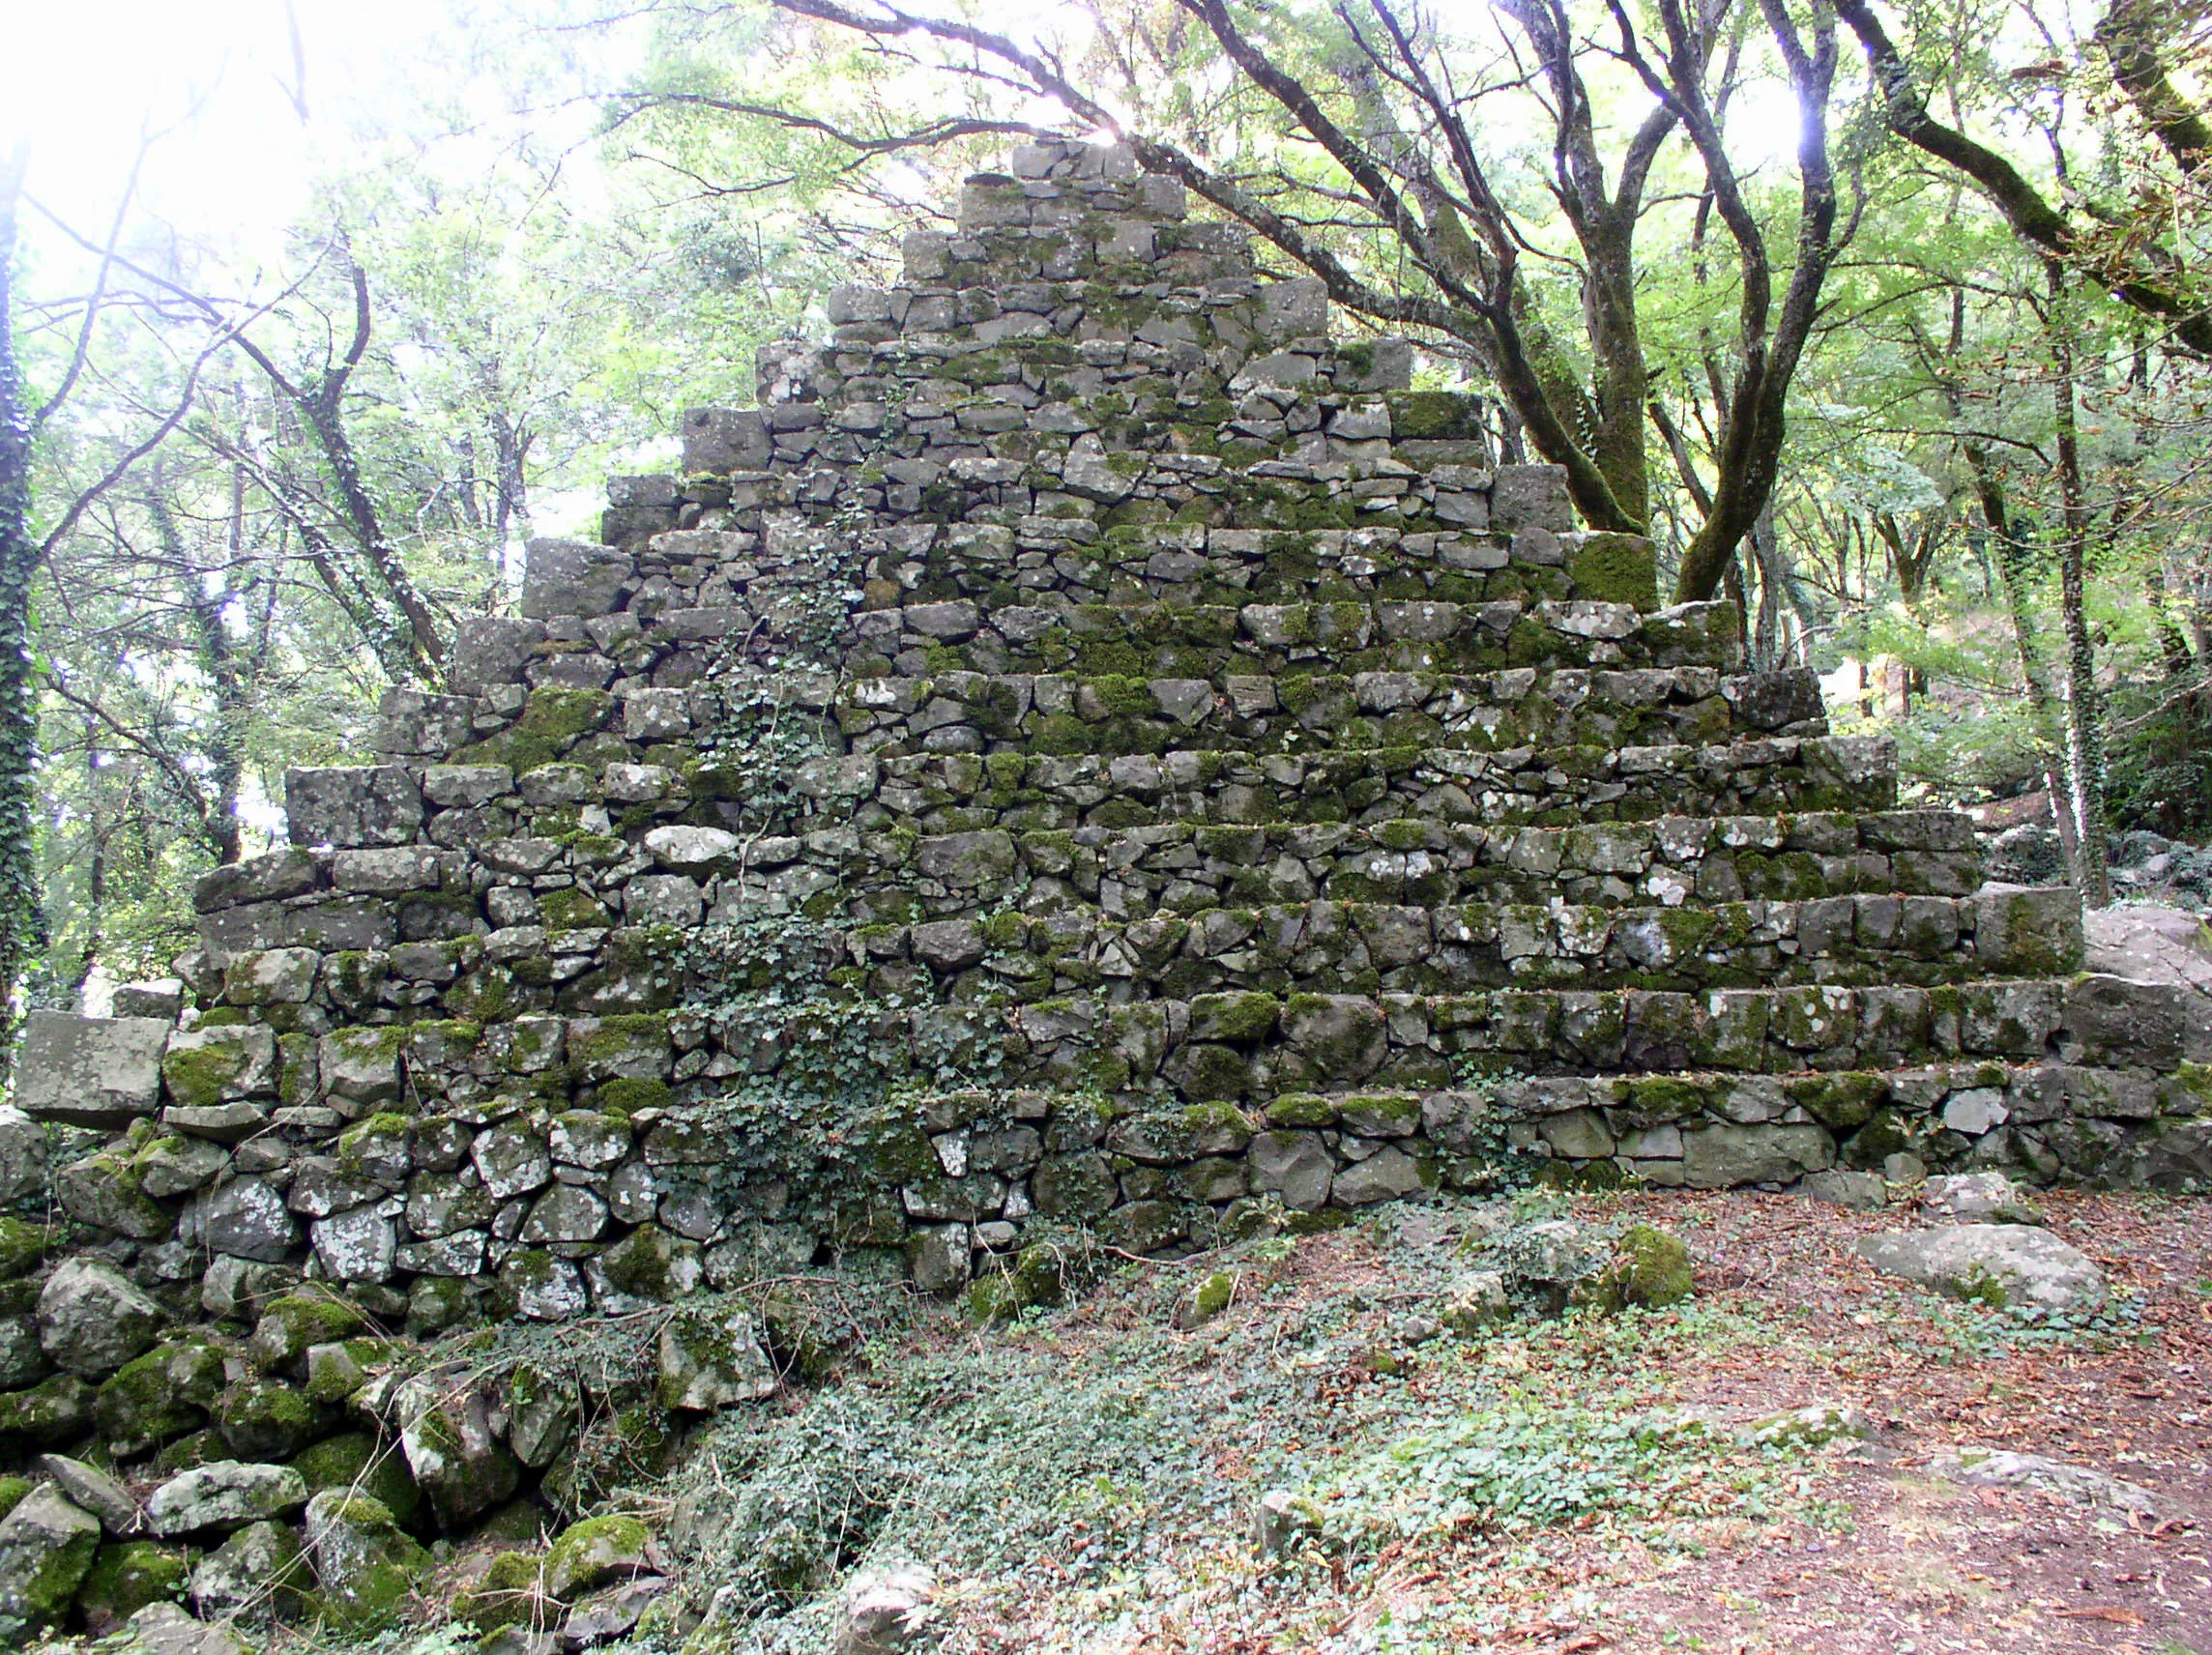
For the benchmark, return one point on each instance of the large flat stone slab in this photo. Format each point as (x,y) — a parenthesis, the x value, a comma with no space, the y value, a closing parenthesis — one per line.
(2004,1264)
(90,1071)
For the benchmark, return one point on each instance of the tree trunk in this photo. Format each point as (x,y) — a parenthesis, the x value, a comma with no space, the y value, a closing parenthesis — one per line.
(22,922)
(2085,704)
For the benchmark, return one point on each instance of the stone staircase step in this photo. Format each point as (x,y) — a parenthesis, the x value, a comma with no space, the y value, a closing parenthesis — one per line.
(1027,793)
(1188,947)
(1067,1157)
(1161,640)
(1248,1047)
(1487,713)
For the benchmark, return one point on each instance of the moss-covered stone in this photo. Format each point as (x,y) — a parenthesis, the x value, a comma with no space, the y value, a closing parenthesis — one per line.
(52,1413)
(1649,1267)
(12,1491)
(294,1322)
(1616,568)
(509,1592)
(1205,1301)
(355,1460)
(22,1246)
(594,1552)
(125,1578)
(265,1419)
(163,1394)
(46,1548)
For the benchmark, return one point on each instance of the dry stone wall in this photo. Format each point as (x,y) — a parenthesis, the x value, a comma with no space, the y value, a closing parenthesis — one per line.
(1089,749)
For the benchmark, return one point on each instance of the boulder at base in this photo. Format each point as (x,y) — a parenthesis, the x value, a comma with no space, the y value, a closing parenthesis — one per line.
(2000,1263)
(47,1547)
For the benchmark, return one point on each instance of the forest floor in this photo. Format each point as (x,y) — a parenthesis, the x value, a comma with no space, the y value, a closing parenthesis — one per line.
(1085,1479)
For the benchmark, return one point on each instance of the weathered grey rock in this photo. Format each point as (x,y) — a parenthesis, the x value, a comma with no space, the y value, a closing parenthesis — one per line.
(274,977)
(1978,1198)
(941,1259)
(1285,1524)
(1839,1186)
(1384,1175)
(92,1318)
(242,1219)
(709,1361)
(362,1245)
(362,1561)
(448,1433)
(567,577)
(884,1609)
(2002,1469)
(596,1552)
(350,806)
(543,1407)
(223,1494)
(164,1629)
(488,649)
(2005,1264)
(511,1160)
(204,1066)
(93,1489)
(1810,1427)
(154,998)
(723,440)
(89,1071)
(606,1615)
(257,1576)
(47,1547)
(22,1154)
(1295,1166)
(1719,1157)
(1477,1301)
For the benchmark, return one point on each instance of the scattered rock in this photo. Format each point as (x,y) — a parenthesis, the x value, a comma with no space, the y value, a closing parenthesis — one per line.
(541,1410)
(2000,1469)
(46,1548)
(606,1615)
(1546,1261)
(225,1493)
(885,1610)
(509,1592)
(447,1431)
(1477,1302)
(1284,1523)
(92,1318)
(1649,1267)
(1808,1427)
(1998,1263)
(1204,1300)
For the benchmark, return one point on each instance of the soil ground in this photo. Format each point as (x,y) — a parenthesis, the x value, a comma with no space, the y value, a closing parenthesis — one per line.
(1865,1550)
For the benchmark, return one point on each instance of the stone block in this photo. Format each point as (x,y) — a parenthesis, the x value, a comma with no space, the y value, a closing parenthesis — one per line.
(492,649)
(352,804)
(570,578)
(89,1071)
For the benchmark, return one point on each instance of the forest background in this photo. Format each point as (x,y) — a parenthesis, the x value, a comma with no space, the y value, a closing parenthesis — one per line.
(1891,325)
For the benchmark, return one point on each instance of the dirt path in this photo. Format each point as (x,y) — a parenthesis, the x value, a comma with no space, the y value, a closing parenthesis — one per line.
(1923,1564)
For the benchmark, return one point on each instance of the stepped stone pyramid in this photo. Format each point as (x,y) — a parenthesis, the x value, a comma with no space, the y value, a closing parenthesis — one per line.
(1090,747)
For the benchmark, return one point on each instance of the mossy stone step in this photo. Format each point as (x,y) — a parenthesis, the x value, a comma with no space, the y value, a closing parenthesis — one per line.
(1484,713)
(1190,947)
